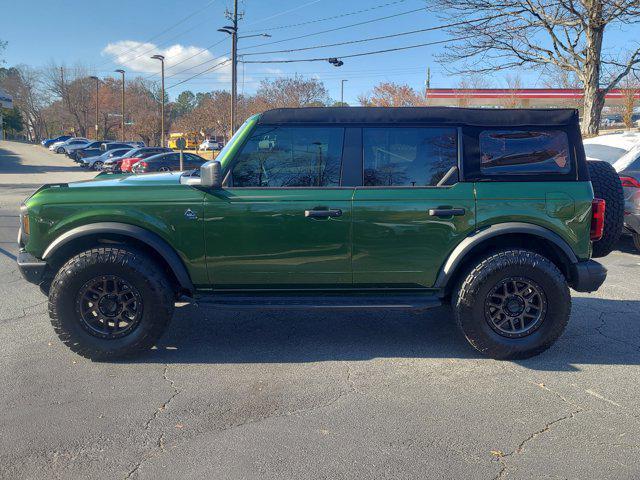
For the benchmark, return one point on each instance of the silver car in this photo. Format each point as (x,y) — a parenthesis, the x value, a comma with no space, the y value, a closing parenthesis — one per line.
(96,162)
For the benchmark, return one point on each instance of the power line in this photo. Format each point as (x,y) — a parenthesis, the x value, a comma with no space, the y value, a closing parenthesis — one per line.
(284,12)
(339,28)
(362,54)
(216,66)
(198,65)
(328,18)
(179,22)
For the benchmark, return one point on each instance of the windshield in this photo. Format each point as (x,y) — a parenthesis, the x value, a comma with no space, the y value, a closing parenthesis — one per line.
(604,152)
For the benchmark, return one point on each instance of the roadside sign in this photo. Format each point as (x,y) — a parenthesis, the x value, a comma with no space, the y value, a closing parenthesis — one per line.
(181,143)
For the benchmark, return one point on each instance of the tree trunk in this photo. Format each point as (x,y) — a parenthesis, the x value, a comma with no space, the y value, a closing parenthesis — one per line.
(593,94)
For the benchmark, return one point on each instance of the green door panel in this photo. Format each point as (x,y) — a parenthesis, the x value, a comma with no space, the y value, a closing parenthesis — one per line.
(563,207)
(395,240)
(261,238)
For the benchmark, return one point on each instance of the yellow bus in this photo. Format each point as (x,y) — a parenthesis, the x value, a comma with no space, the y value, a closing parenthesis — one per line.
(190,137)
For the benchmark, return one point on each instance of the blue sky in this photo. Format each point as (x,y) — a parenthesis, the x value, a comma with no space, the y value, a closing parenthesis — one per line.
(116,33)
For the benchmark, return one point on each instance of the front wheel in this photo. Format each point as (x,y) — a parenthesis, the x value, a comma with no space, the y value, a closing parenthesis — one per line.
(512,304)
(108,303)
(60,150)
(97,165)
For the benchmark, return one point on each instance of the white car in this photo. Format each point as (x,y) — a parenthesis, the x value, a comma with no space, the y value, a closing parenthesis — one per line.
(210,145)
(622,150)
(58,147)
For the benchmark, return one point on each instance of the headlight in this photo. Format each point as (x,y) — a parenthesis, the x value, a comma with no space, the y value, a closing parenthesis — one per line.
(26,228)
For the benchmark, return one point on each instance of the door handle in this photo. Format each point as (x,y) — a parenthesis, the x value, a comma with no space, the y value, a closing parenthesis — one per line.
(446,212)
(329,213)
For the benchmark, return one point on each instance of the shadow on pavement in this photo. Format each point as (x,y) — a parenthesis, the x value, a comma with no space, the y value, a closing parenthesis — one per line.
(199,335)
(625,245)
(10,162)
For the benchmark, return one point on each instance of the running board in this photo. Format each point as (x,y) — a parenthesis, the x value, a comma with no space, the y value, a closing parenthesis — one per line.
(321,302)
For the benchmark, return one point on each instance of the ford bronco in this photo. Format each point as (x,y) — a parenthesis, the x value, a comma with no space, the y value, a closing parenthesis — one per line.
(492,211)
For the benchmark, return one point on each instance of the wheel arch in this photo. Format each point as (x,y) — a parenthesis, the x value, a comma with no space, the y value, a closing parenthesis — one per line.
(506,235)
(85,236)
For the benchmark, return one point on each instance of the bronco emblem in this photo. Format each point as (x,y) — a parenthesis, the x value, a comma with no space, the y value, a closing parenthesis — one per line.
(190,214)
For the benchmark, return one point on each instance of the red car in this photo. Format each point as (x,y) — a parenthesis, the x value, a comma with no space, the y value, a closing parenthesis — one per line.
(124,164)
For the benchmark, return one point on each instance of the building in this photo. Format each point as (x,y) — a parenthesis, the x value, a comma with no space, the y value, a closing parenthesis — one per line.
(517,97)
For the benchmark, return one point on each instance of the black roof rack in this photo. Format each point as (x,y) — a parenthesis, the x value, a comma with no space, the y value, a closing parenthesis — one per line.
(480,117)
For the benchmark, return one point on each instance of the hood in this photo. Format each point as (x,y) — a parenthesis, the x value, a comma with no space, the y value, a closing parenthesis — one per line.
(151,180)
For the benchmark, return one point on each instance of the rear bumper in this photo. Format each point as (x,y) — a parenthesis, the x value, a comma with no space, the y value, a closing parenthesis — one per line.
(587,276)
(31,268)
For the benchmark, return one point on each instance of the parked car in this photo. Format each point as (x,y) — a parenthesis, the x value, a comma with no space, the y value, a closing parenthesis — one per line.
(99,150)
(611,120)
(383,207)
(47,142)
(210,145)
(622,150)
(71,150)
(96,162)
(140,154)
(134,156)
(168,162)
(59,147)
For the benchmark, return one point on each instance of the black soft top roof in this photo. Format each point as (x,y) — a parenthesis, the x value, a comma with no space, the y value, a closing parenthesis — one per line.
(480,117)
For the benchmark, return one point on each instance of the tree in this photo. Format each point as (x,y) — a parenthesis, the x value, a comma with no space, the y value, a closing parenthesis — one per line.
(75,89)
(293,92)
(3,45)
(184,104)
(567,34)
(12,120)
(630,90)
(389,94)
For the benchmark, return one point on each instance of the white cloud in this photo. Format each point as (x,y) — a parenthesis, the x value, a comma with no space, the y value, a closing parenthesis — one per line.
(135,56)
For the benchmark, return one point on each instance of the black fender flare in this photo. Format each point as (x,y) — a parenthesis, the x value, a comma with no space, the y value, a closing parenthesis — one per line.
(456,257)
(153,240)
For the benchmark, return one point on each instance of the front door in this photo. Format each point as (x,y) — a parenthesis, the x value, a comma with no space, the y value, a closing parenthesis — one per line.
(282,220)
(411,210)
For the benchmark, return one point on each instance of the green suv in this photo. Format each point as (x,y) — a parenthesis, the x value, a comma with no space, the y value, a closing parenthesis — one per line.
(492,211)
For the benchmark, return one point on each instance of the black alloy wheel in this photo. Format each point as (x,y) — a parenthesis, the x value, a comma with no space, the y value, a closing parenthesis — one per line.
(515,307)
(109,307)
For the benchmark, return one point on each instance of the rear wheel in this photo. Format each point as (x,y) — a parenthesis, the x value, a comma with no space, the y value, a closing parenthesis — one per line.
(512,304)
(164,169)
(606,185)
(108,303)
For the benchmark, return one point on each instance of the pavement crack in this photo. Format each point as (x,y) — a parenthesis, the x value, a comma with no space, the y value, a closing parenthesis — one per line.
(160,443)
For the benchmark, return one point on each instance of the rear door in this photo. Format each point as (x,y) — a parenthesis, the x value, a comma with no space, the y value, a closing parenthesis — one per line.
(411,210)
(283,218)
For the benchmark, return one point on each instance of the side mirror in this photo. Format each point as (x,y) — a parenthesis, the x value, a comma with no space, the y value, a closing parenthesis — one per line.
(211,174)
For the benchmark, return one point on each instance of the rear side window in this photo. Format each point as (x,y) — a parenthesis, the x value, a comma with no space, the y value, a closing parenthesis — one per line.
(408,157)
(524,152)
(290,157)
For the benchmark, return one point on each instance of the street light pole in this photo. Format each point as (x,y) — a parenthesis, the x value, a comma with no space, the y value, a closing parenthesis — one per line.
(342,92)
(234,67)
(120,71)
(97,84)
(161,58)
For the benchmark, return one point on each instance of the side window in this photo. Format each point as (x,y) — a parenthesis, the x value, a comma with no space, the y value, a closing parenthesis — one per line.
(290,157)
(524,152)
(409,157)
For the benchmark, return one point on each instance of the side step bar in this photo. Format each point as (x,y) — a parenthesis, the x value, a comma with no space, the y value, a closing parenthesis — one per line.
(321,302)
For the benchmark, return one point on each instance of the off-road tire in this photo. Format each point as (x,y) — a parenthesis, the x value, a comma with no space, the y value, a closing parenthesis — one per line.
(136,268)
(606,185)
(468,303)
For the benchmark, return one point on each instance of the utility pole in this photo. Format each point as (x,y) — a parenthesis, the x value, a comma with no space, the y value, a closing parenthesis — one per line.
(427,83)
(120,71)
(234,67)
(161,58)
(342,92)
(97,89)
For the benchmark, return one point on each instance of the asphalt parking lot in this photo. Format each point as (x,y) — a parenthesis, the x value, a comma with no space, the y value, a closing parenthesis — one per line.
(242,395)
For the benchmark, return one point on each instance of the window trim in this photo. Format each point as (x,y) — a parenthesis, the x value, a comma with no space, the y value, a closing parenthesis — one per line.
(459,154)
